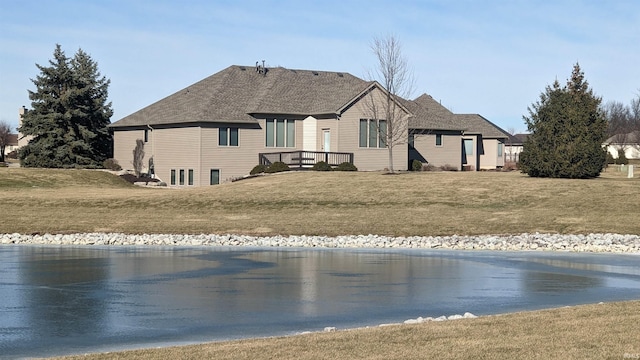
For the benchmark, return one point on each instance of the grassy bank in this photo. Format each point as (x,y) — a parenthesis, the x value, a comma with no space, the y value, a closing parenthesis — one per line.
(318,203)
(606,331)
(430,203)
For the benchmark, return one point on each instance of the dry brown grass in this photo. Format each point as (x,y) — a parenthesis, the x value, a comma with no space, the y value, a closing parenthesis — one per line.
(324,203)
(429,203)
(606,331)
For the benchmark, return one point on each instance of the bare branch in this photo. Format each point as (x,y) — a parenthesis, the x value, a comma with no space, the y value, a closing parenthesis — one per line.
(395,76)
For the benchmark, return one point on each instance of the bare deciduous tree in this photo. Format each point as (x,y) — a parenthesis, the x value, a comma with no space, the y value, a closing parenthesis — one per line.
(138,157)
(5,131)
(623,123)
(392,71)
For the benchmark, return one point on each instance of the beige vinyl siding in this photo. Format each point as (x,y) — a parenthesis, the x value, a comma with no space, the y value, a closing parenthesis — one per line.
(232,161)
(124,141)
(449,153)
(472,161)
(333,126)
(366,159)
(489,159)
(177,148)
(309,136)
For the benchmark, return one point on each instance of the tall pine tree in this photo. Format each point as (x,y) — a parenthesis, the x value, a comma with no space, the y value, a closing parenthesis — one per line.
(567,129)
(69,115)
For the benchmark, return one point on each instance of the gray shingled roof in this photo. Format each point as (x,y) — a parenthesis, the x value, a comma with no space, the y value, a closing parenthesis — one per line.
(12,140)
(430,114)
(518,139)
(625,139)
(477,124)
(236,92)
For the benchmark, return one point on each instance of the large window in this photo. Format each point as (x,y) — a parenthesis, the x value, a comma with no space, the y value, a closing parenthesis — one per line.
(228,136)
(190,177)
(500,149)
(280,133)
(468,146)
(373,133)
(173,176)
(181,176)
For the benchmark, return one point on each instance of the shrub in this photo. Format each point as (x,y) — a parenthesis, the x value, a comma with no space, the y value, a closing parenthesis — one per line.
(447,167)
(346,166)
(321,166)
(610,159)
(510,166)
(430,167)
(258,169)
(112,164)
(277,166)
(416,165)
(622,158)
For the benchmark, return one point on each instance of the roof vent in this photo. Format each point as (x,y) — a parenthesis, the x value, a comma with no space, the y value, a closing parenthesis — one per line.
(340,75)
(243,68)
(315,73)
(260,69)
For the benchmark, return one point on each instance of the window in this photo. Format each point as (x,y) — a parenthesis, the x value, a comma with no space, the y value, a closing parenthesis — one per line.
(382,132)
(438,139)
(363,132)
(146,135)
(190,177)
(173,176)
(373,133)
(214,177)
(181,176)
(228,136)
(468,146)
(280,133)
(500,145)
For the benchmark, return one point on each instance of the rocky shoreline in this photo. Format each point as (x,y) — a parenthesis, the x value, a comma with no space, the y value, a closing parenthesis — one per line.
(607,243)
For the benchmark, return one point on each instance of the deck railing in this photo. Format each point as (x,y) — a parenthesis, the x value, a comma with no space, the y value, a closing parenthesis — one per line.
(305,159)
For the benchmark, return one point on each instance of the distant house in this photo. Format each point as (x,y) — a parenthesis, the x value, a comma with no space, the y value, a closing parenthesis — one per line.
(222,126)
(629,143)
(514,147)
(464,141)
(12,144)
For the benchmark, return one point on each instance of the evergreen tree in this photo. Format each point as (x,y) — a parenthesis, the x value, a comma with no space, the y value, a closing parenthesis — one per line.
(567,129)
(69,115)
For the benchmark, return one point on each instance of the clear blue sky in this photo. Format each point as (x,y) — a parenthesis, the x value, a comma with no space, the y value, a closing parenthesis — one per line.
(488,57)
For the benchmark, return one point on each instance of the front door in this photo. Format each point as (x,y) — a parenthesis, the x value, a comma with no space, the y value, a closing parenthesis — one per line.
(327,140)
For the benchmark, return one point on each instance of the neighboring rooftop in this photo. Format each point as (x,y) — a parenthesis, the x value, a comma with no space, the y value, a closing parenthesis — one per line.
(430,114)
(628,138)
(12,140)
(477,124)
(517,139)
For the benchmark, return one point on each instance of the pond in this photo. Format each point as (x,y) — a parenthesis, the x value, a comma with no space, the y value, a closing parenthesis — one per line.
(69,300)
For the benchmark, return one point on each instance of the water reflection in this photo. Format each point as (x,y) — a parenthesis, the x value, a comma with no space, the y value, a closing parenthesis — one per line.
(69,300)
(60,281)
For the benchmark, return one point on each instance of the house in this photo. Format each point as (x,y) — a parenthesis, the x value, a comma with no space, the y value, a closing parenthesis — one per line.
(11,145)
(435,136)
(514,147)
(222,126)
(629,143)
(464,141)
(22,139)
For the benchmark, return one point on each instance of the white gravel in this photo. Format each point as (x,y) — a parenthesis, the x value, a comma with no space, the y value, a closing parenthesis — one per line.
(610,243)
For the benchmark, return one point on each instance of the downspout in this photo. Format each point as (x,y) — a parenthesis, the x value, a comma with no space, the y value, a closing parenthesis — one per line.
(153,145)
